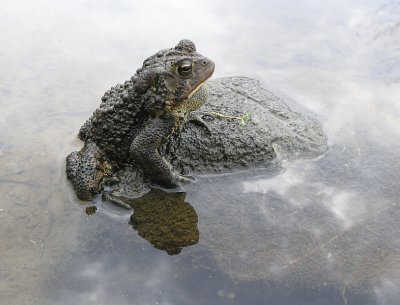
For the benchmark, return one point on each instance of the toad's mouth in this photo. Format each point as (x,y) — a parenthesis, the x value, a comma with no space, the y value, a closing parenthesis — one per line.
(195,90)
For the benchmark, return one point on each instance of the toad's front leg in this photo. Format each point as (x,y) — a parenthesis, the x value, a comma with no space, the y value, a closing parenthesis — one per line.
(145,151)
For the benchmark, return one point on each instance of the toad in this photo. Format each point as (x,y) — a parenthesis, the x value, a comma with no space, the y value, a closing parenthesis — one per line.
(135,118)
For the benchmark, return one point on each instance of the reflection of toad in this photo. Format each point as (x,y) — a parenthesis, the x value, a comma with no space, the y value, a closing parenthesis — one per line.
(136,118)
(163,219)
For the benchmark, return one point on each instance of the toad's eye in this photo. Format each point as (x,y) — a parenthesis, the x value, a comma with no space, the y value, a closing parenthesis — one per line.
(185,68)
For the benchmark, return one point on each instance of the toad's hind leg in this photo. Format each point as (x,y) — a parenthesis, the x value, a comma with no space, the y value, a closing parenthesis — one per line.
(145,151)
(86,169)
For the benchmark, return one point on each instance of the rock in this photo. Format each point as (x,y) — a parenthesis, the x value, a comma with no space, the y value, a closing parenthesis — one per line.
(273,132)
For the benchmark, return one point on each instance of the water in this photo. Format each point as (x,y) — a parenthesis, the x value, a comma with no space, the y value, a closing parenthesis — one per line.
(322,231)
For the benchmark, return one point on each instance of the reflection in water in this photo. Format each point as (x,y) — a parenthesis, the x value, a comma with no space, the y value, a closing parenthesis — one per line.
(164,219)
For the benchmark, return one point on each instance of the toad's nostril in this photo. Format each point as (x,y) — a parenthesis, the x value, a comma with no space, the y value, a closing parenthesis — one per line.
(204,62)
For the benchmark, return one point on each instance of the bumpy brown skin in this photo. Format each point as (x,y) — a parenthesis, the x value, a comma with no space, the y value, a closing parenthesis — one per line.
(135,118)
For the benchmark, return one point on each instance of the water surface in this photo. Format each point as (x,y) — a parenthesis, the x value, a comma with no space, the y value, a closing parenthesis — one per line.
(321,231)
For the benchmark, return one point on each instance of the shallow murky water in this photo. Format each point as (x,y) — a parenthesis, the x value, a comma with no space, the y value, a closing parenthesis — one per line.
(321,231)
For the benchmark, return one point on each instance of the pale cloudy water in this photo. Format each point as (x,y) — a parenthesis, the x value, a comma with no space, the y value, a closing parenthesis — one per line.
(321,231)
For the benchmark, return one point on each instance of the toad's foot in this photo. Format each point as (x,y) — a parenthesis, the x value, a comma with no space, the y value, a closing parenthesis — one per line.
(86,170)
(185,179)
(116,201)
(198,120)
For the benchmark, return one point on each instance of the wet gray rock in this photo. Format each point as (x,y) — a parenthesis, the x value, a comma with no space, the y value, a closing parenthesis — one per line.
(273,132)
